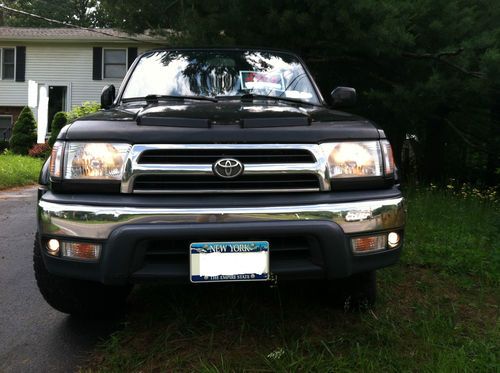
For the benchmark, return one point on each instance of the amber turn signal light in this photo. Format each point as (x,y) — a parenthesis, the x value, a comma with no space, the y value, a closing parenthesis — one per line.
(81,250)
(369,243)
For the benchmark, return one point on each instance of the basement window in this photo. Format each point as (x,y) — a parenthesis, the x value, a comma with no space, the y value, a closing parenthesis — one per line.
(5,127)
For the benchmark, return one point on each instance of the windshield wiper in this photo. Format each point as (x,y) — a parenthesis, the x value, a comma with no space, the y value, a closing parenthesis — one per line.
(250,97)
(154,99)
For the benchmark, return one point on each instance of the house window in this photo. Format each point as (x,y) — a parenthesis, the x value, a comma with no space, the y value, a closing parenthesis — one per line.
(115,63)
(5,127)
(8,63)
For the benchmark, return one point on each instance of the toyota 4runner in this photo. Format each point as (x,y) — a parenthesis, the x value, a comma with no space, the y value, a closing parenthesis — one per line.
(215,165)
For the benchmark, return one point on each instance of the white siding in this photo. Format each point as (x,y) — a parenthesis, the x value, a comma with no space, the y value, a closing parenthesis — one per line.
(58,64)
(13,93)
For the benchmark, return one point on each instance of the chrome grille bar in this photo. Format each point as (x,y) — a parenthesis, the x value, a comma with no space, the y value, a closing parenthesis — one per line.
(134,169)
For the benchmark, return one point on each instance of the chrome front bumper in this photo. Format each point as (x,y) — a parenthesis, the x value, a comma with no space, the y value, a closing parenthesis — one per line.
(98,222)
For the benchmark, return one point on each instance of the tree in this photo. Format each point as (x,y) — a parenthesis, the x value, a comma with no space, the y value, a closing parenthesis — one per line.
(77,12)
(58,122)
(23,134)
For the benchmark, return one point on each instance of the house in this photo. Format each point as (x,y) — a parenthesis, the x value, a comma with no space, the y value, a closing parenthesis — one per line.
(55,69)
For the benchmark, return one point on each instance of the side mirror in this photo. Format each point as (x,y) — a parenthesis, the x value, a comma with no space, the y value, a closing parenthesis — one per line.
(343,97)
(108,95)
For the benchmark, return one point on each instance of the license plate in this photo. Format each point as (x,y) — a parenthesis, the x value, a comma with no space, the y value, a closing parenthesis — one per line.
(229,261)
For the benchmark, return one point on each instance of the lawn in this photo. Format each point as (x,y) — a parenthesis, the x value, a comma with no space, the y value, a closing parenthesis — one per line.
(17,170)
(438,311)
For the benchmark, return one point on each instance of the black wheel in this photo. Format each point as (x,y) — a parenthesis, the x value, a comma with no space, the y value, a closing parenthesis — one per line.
(78,297)
(358,291)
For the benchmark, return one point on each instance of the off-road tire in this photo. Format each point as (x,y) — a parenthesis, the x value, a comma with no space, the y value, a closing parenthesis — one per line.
(78,297)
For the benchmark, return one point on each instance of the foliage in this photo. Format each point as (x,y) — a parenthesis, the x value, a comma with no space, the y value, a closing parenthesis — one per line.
(79,12)
(40,151)
(468,191)
(87,108)
(437,311)
(23,133)
(17,170)
(58,122)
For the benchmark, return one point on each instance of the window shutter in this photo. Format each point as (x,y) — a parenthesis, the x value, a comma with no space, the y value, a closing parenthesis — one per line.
(20,64)
(97,63)
(132,54)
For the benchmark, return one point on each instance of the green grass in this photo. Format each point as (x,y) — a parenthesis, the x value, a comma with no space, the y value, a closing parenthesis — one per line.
(437,312)
(17,170)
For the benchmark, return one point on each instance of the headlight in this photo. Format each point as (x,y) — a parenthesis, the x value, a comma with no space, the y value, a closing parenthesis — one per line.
(94,161)
(353,159)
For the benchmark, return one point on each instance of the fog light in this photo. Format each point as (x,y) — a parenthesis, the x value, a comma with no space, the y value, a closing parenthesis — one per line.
(53,247)
(368,243)
(81,250)
(393,239)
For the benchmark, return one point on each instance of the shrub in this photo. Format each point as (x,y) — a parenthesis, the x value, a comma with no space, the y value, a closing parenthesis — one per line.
(40,151)
(59,121)
(88,107)
(23,134)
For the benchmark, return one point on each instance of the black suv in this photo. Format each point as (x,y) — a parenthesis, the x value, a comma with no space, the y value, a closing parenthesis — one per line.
(215,165)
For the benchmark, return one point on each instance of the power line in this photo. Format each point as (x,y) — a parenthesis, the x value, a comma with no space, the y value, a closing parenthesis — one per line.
(36,16)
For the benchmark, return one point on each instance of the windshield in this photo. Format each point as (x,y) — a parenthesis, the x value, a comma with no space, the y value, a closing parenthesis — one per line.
(220,73)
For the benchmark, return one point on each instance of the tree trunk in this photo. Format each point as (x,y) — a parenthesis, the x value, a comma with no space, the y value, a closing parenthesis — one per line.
(493,162)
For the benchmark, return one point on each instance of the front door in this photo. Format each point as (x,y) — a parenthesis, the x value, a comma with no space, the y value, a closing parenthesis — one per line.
(57,102)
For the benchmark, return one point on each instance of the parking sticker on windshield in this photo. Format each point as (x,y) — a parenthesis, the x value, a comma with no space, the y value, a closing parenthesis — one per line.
(262,80)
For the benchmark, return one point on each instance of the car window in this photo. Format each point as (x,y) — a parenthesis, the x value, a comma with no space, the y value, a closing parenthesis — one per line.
(220,73)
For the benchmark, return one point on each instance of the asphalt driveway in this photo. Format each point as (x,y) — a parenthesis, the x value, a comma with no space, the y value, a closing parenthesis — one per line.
(33,336)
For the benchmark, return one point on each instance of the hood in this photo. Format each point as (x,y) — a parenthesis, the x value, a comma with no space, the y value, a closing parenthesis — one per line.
(220,122)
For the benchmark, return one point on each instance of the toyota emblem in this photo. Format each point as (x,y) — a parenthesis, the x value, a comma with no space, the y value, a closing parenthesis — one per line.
(228,168)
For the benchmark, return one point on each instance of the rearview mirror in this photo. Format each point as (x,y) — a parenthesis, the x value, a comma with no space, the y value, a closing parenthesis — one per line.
(343,97)
(108,95)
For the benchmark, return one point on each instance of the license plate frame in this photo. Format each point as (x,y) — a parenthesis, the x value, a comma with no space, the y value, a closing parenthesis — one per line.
(208,258)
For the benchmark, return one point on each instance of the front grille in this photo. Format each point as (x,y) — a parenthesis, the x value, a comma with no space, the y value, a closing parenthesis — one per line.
(289,256)
(210,156)
(280,248)
(212,183)
(189,168)
(167,250)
